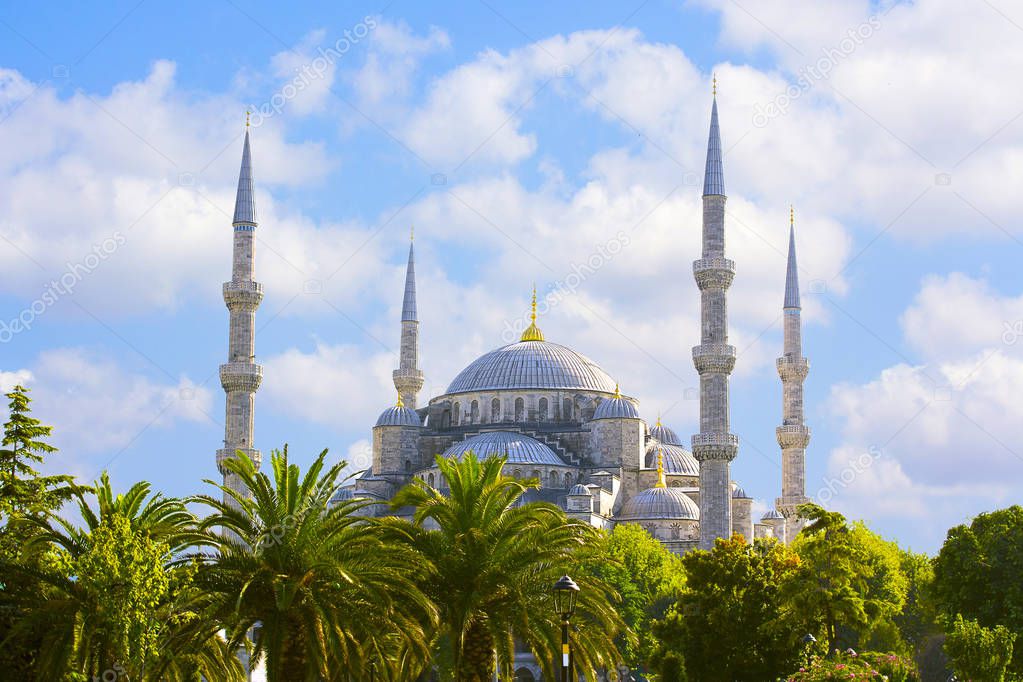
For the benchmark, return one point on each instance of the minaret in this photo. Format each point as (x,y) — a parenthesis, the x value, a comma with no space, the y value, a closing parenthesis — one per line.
(408,378)
(714,447)
(241,376)
(793,436)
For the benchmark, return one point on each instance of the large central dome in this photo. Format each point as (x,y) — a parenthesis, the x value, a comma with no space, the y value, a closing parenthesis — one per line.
(532,365)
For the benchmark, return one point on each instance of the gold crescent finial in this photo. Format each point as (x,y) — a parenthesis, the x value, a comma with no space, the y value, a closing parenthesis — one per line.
(412,233)
(792,215)
(532,332)
(660,469)
(400,403)
(247,118)
(659,419)
(714,86)
(617,392)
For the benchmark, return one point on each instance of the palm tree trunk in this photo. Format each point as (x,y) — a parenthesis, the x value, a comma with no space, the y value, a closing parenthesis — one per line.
(476,662)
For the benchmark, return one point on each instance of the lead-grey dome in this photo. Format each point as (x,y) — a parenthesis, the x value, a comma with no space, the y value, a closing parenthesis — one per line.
(616,408)
(398,415)
(517,448)
(659,503)
(771,515)
(665,434)
(677,460)
(740,494)
(580,489)
(532,365)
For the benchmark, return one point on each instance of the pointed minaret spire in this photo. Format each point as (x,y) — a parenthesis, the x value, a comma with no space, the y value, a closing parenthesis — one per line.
(408,378)
(793,435)
(714,446)
(714,174)
(241,376)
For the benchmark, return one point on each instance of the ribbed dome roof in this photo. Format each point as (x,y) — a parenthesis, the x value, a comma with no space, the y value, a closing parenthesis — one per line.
(659,503)
(677,460)
(740,494)
(518,448)
(771,515)
(580,489)
(665,434)
(532,365)
(616,408)
(398,415)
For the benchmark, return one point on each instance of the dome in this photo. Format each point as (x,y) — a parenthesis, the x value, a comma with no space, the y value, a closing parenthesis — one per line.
(532,365)
(677,460)
(771,515)
(665,434)
(398,415)
(659,503)
(518,448)
(740,494)
(616,407)
(580,489)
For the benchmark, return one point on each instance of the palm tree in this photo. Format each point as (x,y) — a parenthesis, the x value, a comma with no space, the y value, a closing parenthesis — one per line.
(494,561)
(111,594)
(314,585)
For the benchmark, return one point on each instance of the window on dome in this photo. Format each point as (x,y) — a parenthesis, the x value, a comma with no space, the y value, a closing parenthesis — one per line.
(456,413)
(554,479)
(566,410)
(568,480)
(474,412)
(495,410)
(408,466)
(520,409)
(543,410)
(430,480)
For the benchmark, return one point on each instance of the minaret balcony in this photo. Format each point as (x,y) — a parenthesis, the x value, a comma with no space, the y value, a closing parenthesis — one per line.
(714,272)
(245,295)
(793,436)
(715,446)
(241,376)
(227,453)
(792,369)
(714,358)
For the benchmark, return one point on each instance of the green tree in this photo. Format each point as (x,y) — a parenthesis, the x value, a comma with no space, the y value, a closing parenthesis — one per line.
(493,562)
(646,575)
(978,653)
(111,593)
(324,595)
(22,489)
(884,589)
(979,573)
(732,621)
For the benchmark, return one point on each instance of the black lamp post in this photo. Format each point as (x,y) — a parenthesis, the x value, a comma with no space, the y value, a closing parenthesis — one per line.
(565,591)
(808,642)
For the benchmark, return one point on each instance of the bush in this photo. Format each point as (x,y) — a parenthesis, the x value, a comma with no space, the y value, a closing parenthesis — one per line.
(852,666)
(978,653)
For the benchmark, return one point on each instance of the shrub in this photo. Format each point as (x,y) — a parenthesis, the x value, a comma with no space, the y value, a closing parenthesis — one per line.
(853,666)
(978,653)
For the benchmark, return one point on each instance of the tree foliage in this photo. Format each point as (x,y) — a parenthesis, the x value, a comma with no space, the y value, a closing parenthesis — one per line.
(977,653)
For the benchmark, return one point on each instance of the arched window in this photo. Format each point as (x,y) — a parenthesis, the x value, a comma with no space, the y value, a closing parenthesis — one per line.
(553,479)
(566,410)
(518,473)
(430,480)
(456,414)
(542,410)
(474,412)
(520,409)
(408,466)
(524,675)
(445,419)
(537,475)
(568,480)
(495,410)
(676,529)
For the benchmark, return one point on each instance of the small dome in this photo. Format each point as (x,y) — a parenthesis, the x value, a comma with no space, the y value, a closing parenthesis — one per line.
(519,449)
(398,415)
(739,494)
(580,489)
(659,503)
(772,515)
(616,407)
(665,434)
(677,460)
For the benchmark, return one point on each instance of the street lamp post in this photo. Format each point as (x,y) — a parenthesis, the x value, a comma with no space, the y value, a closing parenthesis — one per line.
(808,642)
(565,591)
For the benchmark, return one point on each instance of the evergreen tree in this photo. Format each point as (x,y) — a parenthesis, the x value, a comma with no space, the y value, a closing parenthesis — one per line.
(22,489)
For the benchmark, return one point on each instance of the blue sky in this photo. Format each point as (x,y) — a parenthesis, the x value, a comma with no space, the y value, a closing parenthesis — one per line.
(519,138)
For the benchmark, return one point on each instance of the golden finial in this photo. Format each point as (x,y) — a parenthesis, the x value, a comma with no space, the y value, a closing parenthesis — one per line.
(618,394)
(792,215)
(714,86)
(247,118)
(660,469)
(532,332)
(412,233)
(400,403)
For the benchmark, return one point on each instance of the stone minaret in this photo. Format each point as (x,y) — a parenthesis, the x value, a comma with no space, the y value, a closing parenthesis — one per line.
(240,375)
(793,436)
(714,447)
(408,378)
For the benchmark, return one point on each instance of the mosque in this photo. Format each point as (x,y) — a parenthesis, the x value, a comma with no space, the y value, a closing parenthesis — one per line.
(554,413)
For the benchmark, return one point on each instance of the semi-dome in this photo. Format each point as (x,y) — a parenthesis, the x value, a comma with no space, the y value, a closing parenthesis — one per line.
(677,460)
(519,449)
(532,365)
(665,434)
(398,415)
(659,503)
(616,407)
